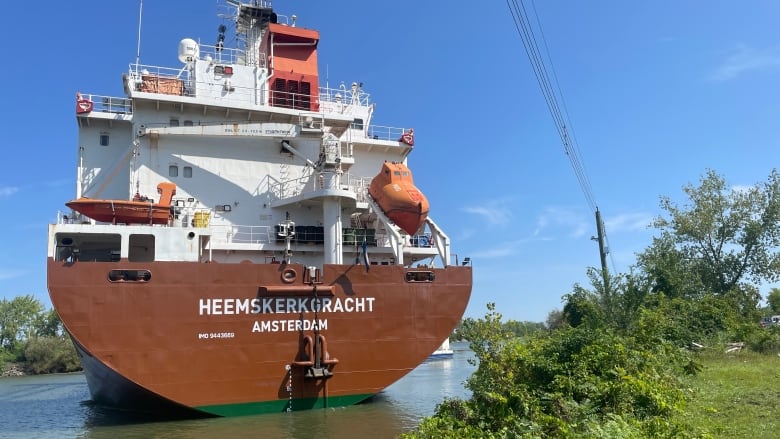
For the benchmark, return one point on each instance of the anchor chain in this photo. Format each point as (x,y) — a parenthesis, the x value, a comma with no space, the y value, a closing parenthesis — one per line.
(289,387)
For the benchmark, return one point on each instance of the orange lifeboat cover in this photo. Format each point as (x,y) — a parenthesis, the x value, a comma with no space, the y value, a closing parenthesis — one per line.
(136,211)
(394,191)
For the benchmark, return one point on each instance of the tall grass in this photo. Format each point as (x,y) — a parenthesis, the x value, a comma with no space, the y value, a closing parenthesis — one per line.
(735,395)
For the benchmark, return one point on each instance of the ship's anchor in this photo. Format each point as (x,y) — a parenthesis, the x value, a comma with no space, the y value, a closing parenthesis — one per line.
(318,362)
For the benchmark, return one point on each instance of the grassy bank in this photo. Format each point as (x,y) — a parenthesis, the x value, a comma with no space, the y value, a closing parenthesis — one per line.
(735,395)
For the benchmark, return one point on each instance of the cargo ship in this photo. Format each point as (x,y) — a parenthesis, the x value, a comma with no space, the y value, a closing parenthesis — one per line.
(223,254)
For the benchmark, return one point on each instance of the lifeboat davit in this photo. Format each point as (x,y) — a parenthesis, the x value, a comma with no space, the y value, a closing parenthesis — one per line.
(136,211)
(394,191)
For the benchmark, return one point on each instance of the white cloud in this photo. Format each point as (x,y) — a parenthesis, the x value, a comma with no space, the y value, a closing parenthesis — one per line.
(7,191)
(555,218)
(10,274)
(628,222)
(493,253)
(500,250)
(466,234)
(58,183)
(745,59)
(495,212)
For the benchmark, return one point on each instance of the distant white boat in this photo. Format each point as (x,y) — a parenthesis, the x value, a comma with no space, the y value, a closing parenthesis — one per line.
(444,351)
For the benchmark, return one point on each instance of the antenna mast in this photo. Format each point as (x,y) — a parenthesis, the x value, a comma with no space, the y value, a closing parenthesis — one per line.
(138,50)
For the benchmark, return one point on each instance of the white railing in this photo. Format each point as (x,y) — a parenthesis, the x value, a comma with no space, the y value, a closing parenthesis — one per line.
(359,185)
(379,132)
(109,104)
(344,95)
(177,81)
(310,183)
(226,55)
(239,234)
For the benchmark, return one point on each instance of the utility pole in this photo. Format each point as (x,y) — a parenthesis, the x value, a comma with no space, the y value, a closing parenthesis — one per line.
(603,250)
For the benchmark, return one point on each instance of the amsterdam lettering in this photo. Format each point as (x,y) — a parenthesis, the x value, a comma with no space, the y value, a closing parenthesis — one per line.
(285,305)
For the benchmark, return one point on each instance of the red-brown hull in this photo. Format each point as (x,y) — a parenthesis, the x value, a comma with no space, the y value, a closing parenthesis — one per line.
(121,212)
(168,335)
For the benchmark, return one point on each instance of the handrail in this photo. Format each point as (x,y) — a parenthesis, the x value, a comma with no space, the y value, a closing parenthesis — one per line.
(311,183)
(109,104)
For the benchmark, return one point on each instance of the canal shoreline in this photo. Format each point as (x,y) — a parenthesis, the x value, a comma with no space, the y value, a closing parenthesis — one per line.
(13,370)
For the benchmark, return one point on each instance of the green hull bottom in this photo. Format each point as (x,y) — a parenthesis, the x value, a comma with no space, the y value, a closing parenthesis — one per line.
(281,405)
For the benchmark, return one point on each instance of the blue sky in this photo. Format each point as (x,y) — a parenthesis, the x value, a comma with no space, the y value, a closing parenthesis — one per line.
(656,92)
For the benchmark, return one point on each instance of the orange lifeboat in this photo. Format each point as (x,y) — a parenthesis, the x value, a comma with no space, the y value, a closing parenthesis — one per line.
(136,211)
(394,191)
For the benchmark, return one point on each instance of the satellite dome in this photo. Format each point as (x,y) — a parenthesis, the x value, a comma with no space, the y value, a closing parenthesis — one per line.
(188,51)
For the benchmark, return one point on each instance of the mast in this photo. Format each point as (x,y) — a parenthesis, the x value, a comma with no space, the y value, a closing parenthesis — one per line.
(138,49)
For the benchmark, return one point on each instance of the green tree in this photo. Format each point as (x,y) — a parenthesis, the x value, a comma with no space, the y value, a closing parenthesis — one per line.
(668,270)
(555,319)
(616,307)
(582,307)
(18,319)
(773,300)
(51,354)
(514,327)
(523,329)
(48,324)
(463,328)
(720,240)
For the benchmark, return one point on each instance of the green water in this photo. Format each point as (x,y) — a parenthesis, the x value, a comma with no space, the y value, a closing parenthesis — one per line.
(58,406)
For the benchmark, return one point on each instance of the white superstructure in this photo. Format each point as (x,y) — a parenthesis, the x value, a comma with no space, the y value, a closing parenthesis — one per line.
(268,165)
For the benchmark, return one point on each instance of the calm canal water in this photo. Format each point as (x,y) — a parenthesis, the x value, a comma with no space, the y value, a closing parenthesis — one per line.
(58,406)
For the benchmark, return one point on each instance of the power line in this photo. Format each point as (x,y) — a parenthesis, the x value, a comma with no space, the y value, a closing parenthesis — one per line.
(551,95)
(560,117)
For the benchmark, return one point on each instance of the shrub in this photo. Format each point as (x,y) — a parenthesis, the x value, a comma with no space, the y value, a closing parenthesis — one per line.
(758,339)
(51,355)
(571,382)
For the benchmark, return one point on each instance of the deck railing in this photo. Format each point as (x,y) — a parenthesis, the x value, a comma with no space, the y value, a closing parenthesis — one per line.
(307,184)
(238,234)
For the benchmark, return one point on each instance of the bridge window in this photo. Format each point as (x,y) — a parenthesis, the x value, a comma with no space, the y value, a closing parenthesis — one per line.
(187,172)
(85,247)
(173,171)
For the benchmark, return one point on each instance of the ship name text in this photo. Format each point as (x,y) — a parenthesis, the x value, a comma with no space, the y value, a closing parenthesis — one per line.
(284,305)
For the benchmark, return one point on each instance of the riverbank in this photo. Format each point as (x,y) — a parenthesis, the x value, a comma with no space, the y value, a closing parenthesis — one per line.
(13,370)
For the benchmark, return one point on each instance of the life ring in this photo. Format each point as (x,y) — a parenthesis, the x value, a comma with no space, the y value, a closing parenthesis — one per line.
(83,106)
(289,275)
